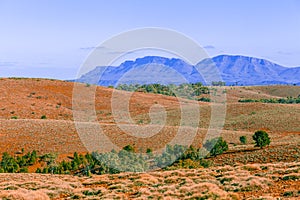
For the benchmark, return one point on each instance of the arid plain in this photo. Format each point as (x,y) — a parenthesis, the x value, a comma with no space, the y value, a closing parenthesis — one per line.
(243,172)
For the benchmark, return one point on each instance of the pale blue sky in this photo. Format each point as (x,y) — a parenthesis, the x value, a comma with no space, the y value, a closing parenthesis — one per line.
(52,38)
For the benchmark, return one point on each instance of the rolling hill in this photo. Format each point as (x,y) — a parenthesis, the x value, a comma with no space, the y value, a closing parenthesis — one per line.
(22,108)
(241,173)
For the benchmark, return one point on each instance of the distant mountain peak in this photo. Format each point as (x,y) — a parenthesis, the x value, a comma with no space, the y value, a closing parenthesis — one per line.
(234,69)
(152,59)
(240,57)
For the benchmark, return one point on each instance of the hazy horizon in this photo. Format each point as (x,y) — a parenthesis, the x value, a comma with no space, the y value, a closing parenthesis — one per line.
(51,39)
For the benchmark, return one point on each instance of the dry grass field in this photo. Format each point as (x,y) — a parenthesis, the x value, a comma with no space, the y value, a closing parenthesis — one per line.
(37,114)
(251,181)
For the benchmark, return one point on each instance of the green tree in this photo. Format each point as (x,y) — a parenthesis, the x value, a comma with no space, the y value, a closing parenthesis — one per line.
(49,159)
(24,170)
(218,83)
(129,148)
(149,151)
(8,163)
(38,170)
(261,139)
(243,139)
(216,146)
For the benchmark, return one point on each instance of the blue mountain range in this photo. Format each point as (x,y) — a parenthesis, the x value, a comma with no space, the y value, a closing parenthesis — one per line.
(233,70)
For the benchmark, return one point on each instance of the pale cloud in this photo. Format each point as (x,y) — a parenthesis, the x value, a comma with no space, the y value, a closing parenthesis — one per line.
(209,47)
(8,63)
(284,53)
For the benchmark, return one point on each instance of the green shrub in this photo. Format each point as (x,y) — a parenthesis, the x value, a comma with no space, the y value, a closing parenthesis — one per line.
(206,163)
(38,170)
(216,146)
(288,194)
(8,163)
(24,170)
(189,91)
(291,177)
(185,164)
(149,151)
(247,100)
(261,138)
(91,193)
(243,139)
(178,156)
(204,99)
(129,148)
(288,100)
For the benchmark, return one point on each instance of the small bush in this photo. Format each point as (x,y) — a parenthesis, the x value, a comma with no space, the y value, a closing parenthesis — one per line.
(216,146)
(91,193)
(290,177)
(243,139)
(288,194)
(206,163)
(24,170)
(248,100)
(185,164)
(43,117)
(204,99)
(38,170)
(223,180)
(129,148)
(288,100)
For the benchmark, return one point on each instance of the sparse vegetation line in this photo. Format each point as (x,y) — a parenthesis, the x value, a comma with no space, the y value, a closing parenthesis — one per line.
(189,91)
(288,100)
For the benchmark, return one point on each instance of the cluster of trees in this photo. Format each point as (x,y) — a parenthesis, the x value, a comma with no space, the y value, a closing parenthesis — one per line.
(288,100)
(191,157)
(218,83)
(10,164)
(185,90)
(126,159)
(148,88)
(100,163)
(113,162)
